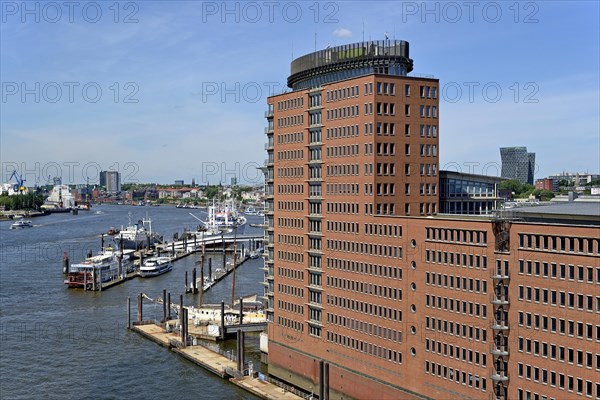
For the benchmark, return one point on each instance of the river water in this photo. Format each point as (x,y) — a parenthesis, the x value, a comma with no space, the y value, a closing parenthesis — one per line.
(61,343)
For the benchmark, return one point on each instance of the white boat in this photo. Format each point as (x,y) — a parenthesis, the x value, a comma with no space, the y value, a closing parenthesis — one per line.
(250,210)
(108,264)
(223,219)
(155,266)
(21,223)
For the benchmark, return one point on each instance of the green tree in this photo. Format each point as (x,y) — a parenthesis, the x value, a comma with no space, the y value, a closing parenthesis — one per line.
(543,195)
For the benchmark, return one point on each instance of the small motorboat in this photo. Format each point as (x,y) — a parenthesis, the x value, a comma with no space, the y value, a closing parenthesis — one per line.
(21,223)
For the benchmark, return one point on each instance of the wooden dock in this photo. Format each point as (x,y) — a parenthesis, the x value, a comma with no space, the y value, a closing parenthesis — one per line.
(219,364)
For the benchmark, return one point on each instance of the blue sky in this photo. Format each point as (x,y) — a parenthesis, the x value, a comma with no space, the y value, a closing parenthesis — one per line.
(177,90)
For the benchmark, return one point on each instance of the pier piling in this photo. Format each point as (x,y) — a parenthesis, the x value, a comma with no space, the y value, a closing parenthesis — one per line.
(222,320)
(140,299)
(210,268)
(181,315)
(241,310)
(186,282)
(164,318)
(169,306)
(66,265)
(194,287)
(128,312)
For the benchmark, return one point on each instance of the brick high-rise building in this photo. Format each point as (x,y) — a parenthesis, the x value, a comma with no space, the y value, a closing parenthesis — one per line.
(371,293)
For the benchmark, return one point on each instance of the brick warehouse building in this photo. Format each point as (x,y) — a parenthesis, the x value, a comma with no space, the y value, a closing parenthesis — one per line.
(370,292)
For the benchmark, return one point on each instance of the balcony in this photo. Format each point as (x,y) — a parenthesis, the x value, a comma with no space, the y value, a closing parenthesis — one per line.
(500,376)
(268,130)
(499,350)
(500,275)
(500,300)
(500,325)
(269,114)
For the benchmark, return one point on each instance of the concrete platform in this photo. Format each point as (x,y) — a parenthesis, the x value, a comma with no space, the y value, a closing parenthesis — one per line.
(263,389)
(212,361)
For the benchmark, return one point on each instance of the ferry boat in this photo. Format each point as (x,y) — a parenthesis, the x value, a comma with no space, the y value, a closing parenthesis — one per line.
(107,265)
(155,266)
(21,223)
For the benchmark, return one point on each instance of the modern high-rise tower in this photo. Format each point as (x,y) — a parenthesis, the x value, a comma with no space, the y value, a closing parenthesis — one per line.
(517,163)
(111,181)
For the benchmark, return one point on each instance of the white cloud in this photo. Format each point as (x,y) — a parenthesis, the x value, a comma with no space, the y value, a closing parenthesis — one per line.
(342,32)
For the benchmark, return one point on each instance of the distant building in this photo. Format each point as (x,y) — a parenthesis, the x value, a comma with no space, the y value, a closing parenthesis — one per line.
(517,163)
(111,181)
(467,193)
(179,183)
(575,178)
(234,181)
(547,184)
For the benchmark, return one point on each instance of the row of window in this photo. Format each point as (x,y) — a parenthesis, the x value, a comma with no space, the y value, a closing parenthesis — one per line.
(297,223)
(560,353)
(365,327)
(342,93)
(383,230)
(290,307)
(290,155)
(290,172)
(345,227)
(564,244)
(290,256)
(559,298)
(365,347)
(456,259)
(342,208)
(456,235)
(342,169)
(292,240)
(456,282)
(577,329)
(292,324)
(459,306)
(342,151)
(290,189)
(364,268)
(291,273)
(556,379)
(294,137)
(455,375)
(364,248)
(341,189)
(340,132)
(561,271)
(290,205)
(292,120)
(456,329)
(375,310)
(297,102)
(290,290)
(466,355)
(344,112)
(372,289)
(385,209)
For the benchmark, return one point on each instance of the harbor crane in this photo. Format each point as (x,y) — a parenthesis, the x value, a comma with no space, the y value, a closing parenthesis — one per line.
(19,186)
